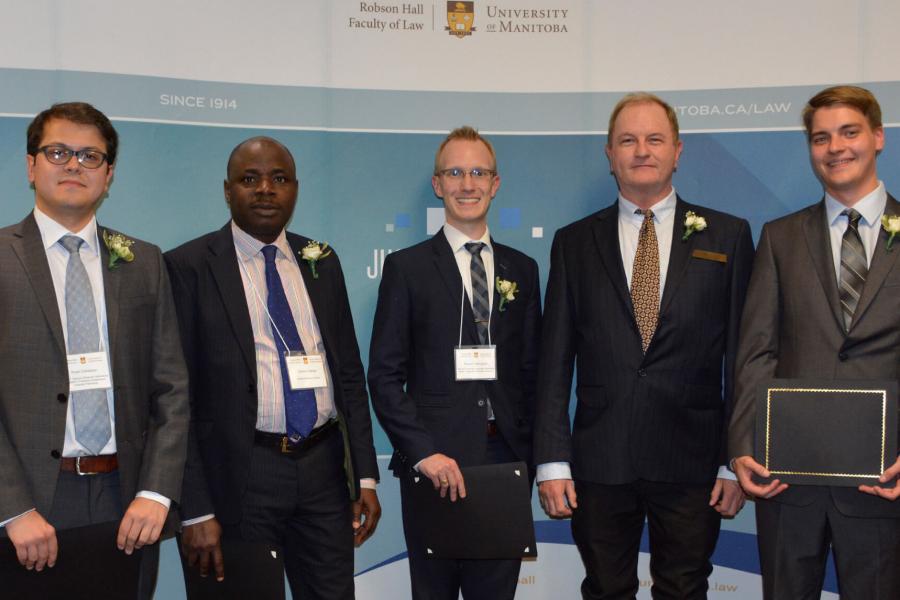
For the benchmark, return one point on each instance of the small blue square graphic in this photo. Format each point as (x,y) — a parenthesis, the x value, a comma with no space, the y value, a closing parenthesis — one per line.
(510,218)
(402,220)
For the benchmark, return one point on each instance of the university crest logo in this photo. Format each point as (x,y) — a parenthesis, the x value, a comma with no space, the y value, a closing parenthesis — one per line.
(460,18)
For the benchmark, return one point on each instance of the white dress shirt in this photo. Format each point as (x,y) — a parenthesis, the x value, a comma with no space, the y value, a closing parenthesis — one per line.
(871,207)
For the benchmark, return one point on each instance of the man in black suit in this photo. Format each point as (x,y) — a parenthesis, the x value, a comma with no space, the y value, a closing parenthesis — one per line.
(444,293)
(823,304)
(278,397)
(645,297)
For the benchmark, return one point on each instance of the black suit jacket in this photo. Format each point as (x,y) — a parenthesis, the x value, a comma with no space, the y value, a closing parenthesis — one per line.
(219,349)
(418,402)
(793,328)
(659,416)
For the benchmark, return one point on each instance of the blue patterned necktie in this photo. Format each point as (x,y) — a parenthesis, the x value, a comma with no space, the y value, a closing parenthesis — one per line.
(90,410)
(299,405)
(481,303)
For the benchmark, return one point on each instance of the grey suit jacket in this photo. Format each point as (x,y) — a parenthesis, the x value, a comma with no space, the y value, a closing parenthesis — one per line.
(149,377)
(792,328)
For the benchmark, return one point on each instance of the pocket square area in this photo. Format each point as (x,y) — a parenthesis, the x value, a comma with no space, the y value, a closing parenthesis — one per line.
(707,255)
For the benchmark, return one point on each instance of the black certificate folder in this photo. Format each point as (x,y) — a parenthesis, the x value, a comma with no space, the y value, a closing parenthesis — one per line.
(493,521)
(840,433)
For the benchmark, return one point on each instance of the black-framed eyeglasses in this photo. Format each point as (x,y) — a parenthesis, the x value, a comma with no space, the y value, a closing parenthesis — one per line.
(476,173)
(59,155)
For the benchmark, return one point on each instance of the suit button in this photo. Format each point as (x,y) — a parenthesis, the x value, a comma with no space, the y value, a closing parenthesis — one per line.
(642,373)
(62,398)
(842,356)
(55,453)
(481,403)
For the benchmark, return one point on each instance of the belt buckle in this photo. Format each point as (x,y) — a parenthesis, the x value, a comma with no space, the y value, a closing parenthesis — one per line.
(285,445)
(78,468)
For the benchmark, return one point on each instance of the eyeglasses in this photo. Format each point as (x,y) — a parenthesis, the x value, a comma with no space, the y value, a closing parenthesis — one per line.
(477,173)
(60,155)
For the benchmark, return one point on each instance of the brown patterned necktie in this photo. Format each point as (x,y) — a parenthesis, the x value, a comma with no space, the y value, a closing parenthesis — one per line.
(645,280)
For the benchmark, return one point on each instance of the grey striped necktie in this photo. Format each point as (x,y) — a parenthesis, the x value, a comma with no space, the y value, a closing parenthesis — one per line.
(854,267)
(89,409)
(481,303)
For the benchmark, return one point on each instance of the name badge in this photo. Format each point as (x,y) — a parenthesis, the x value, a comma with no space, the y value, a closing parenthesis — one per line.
(89,371)
(305,371)
(475,363)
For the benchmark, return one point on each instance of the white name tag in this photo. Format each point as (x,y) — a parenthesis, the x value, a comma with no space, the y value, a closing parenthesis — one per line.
(305,371)
(475,363)
(88,371)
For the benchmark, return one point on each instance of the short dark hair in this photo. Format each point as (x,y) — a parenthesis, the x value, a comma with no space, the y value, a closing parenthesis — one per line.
(76,112)
(468,134)
(847,95)
(259,138)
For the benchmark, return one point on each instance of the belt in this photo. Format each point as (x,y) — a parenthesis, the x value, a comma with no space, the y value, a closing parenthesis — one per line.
(89,465)
(283,444)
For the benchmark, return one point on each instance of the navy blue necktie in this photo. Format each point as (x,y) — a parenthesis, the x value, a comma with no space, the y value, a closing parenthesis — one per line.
(299,405)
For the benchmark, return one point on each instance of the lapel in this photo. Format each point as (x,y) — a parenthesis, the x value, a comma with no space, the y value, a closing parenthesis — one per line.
(223,264)
(29,248)
(445,264)
(503,271)
(679,254)
(318,289)
(605,228)
(882,263)
(112,280)
(818,243)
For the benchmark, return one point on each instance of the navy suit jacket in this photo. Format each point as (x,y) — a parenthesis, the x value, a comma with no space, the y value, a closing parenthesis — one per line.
(658,416)
(416,397)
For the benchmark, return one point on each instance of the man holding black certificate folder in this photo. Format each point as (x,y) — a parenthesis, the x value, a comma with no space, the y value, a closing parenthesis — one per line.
(824,305)
(453,359)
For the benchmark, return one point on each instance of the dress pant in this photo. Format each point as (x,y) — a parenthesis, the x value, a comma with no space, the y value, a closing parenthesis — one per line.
(444,579)
(302,504)
(607,527)
(794,543)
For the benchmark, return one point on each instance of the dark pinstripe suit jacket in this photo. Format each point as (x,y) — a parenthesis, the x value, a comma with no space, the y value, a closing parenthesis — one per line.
(218,345)
(659,416)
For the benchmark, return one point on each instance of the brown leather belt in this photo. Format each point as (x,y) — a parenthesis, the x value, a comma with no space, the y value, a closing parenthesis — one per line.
(492,428)
(283,444)
(89,465)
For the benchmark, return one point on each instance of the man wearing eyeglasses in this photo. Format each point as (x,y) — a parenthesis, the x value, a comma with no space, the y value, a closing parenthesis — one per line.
(93,387)
(460,288)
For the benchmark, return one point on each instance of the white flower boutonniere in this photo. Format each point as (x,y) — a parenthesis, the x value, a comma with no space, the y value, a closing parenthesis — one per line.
(313,253)
(891,224)
(692,223)
(507,290)
(119,248)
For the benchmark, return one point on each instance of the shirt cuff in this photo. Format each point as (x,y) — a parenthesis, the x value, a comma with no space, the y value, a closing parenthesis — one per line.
(554,470)
(367,483)
(8,521)
(196,520)
(725,473)
(155,497)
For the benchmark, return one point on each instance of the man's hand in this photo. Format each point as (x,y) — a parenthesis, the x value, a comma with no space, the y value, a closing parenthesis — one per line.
(34,539)
(202,544)
(558,497)
(141,525)
(444,473)
(727,497)
(887,493)
(745,467)
(368,507)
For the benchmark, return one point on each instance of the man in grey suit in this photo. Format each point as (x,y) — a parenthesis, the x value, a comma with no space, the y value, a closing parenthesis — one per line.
(824,303)
(92,380)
